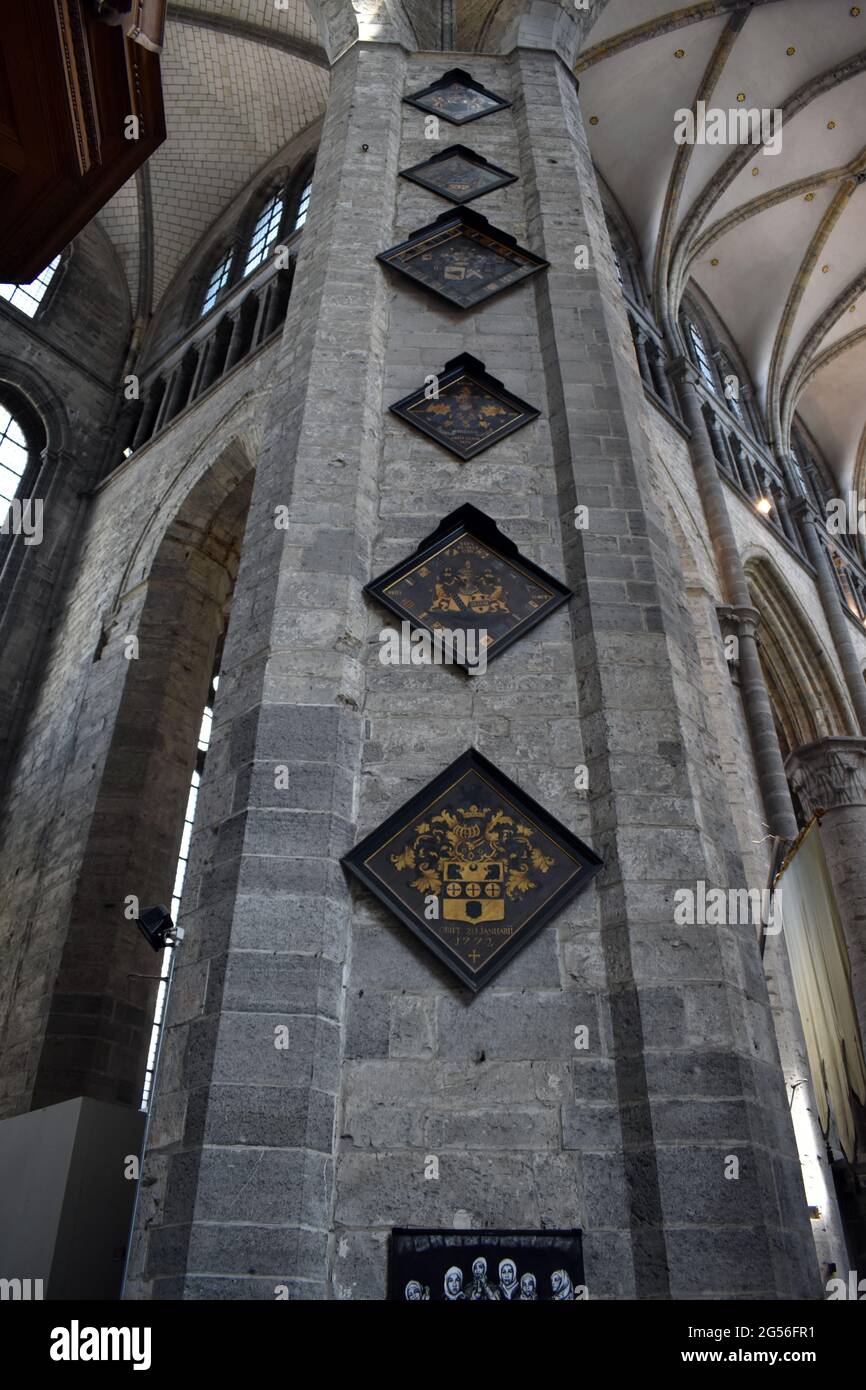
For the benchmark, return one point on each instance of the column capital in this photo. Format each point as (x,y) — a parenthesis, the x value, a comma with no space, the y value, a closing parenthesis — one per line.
(829,773)
(682,371)
(738,619)
(801,511)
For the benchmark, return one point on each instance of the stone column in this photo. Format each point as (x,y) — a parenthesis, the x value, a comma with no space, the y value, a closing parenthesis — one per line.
(243,1130)
(831,776)
(830,602)
(263,297)
(235,347)
(204,351)
(175,396)
(759,714)
(640,347)
(147,418)
(655,820)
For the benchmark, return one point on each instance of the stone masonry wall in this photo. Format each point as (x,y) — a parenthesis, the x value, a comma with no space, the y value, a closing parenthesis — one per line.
(53,793)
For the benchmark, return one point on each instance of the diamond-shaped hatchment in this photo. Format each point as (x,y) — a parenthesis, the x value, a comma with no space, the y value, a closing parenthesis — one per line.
(458,98)
(464,408)
(467,576)
(474,867)
(462,259)
(459,174)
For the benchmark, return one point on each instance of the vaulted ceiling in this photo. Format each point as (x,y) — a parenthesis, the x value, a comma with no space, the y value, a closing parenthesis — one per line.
(776,241)
(240,79)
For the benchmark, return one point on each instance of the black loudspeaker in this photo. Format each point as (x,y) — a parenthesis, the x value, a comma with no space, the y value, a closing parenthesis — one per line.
(155,924)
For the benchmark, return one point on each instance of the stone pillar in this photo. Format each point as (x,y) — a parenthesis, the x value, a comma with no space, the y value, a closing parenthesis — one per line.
(831,776)
(759,714)
(637,674)
(175,395)
(304,1025)
(235,347)
(146,419)
(831,604)
(243,1129)
(263,297)
(640,346)
(279,291)
(195,386)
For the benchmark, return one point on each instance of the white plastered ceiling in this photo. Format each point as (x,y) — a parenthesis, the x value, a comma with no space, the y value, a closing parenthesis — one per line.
(737,220)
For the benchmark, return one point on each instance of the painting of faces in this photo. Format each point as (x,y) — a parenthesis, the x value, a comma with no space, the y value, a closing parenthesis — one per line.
(486,1267)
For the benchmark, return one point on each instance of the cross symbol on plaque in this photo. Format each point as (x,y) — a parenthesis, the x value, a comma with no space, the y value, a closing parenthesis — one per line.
(474,956)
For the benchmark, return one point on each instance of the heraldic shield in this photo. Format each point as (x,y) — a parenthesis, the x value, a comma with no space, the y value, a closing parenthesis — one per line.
(474,867)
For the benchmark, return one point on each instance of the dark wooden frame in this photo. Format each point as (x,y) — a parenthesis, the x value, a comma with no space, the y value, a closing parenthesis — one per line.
(458,368)
(417,173)
(464,222)
(453,75)
(73,82)
(469,521)
(588,862)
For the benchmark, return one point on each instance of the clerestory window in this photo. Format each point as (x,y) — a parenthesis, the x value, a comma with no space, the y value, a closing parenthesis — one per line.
(27,298)
(179,876)
(217,283)
(701,357)
(303,205)
(14,456)
(265,232)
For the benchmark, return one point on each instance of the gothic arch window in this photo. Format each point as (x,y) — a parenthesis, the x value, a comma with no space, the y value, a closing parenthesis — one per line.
(807,697)
(14,458)
(179,877)
(28,298)
(217,282)
(22,442)
(303,205)
(265,231)
(627,269)
(278,210)
(701,356)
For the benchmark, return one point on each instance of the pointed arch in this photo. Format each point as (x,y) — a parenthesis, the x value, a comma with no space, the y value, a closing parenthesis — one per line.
(808,699)
(152,669)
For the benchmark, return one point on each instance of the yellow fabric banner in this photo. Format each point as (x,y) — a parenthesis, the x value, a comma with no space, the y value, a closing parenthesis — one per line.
(822,983)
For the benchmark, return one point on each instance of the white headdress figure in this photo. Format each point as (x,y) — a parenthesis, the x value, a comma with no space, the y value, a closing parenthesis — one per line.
(508,1285)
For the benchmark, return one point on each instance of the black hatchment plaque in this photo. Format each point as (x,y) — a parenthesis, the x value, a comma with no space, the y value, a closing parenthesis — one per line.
(457,98)
(464,408)
(474,867)
(450,1266)
(459,174)
(467,576)
(462,259)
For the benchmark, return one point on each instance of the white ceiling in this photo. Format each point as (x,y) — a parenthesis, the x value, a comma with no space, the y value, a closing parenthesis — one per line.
(769,284)
(243,77)
(236,90)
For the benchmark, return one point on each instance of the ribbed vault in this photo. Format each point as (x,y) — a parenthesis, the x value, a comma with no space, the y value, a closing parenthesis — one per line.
(775,241)
(807,699)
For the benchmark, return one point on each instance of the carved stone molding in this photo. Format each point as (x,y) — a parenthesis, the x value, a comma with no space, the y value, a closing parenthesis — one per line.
(736,622)
(829,773)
